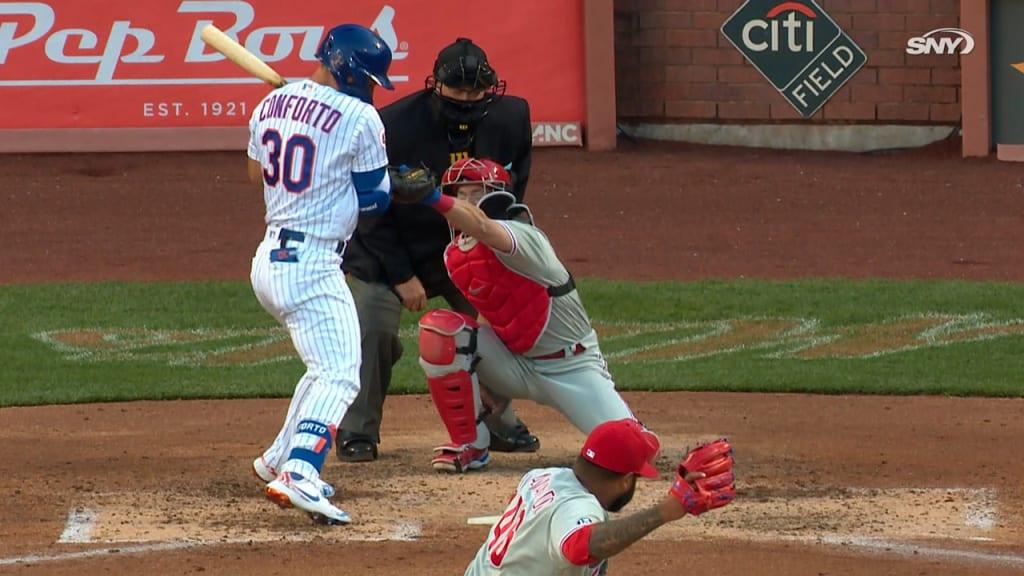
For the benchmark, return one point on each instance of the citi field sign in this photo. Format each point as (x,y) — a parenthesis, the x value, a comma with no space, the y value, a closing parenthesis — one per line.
(797,47)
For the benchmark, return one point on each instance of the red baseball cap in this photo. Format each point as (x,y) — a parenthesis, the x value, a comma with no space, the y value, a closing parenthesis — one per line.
(622,446)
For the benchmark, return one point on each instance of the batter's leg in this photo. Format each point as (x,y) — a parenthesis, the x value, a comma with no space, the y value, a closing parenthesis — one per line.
(380,313)
(278,451)
(508,432)
(325,332)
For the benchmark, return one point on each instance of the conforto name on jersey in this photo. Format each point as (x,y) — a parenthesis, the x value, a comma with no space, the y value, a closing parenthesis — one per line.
(309,111)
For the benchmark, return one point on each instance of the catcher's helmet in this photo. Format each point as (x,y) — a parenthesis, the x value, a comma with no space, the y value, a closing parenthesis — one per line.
(477,171)
(355,57)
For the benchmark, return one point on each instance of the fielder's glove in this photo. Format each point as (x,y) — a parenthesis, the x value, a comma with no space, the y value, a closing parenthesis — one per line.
(704,478)
(412,185)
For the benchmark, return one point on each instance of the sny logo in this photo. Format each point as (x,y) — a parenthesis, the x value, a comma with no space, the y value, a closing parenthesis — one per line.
(949,41)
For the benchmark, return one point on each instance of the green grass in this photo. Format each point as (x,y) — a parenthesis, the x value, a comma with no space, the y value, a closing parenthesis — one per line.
(217,316)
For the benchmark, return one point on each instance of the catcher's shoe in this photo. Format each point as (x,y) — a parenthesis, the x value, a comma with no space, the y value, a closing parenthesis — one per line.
(266,473)
(459,458)
(291,489)
(518,439)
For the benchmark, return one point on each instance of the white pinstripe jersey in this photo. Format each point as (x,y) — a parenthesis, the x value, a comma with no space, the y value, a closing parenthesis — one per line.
(309,139)
(548,506)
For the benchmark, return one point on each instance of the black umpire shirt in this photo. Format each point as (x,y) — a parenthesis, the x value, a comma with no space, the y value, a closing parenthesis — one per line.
(409,239)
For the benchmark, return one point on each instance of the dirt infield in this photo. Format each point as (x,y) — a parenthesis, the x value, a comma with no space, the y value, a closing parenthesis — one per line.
(853,486)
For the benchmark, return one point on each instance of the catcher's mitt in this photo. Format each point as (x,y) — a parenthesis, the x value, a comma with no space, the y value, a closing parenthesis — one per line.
(412,185)
(714,486)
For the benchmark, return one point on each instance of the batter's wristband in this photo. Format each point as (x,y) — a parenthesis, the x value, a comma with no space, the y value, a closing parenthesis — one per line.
(444,203)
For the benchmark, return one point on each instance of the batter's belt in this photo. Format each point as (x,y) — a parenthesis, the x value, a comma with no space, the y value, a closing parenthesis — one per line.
(286,235)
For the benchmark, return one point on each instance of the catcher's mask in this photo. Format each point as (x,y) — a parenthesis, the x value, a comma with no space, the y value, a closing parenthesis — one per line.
(497,202)
(463,65)
(356,58)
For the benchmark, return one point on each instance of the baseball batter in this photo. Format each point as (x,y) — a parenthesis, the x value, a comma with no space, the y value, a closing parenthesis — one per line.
(557,521)
(317,147)
(533,339)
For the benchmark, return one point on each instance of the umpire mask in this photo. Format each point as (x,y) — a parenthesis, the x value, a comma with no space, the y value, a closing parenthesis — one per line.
(472,86)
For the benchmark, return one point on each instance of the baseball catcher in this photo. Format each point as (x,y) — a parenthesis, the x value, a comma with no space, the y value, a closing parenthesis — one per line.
(394,261)
(557,521)
(532,337)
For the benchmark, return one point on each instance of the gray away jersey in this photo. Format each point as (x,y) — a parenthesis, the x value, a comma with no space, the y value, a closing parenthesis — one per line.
(549,505)
(533,256)
(309,139)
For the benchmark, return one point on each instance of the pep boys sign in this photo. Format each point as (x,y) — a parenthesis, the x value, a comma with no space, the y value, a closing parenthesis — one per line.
(133,44)
(126,63)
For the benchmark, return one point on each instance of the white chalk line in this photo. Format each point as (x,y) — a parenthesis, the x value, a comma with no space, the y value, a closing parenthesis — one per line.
(156,547)
(78,527)
(981,509)
(887,546)
(81,522)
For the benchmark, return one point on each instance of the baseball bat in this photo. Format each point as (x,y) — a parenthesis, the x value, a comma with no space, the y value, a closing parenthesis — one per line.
(221,42)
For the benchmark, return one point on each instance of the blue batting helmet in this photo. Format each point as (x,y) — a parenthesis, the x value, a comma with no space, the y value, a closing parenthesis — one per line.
(354,53)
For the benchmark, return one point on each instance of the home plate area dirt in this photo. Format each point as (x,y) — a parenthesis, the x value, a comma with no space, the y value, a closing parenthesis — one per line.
(827,485)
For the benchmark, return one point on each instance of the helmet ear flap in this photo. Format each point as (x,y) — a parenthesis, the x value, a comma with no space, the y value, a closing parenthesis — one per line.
(521,212)
(496,204)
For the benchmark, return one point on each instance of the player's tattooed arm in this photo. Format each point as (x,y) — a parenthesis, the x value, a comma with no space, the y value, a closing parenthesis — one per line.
(613,536)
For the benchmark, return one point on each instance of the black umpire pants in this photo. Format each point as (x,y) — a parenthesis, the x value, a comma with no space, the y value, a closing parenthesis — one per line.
(380,310)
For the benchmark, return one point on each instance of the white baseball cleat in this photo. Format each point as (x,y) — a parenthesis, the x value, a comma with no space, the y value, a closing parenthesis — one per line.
(290,489)
(266,473)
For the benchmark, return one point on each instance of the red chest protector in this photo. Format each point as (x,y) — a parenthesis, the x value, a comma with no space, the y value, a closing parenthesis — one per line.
(514,305)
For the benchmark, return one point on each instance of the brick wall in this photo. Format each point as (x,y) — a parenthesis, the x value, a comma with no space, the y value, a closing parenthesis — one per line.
(674,65)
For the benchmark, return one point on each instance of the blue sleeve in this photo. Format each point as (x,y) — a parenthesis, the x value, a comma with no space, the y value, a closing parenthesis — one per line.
(373,189)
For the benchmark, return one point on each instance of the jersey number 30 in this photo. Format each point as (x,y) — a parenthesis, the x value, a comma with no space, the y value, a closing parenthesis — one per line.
(505,530)
(297,152)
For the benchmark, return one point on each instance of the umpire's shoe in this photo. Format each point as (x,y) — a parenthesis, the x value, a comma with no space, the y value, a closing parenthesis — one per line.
(356,449)
(518,439)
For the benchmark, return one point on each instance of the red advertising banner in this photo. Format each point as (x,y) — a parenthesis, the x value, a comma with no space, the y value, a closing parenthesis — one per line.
(68,64)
